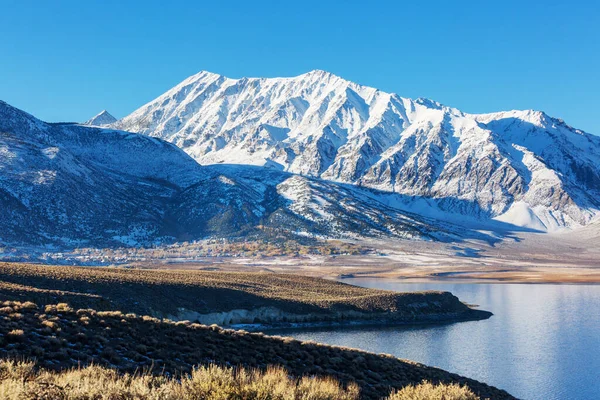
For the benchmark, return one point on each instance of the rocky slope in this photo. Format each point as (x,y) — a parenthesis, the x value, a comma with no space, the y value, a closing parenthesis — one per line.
(73,185)
(68,184)
(522,167)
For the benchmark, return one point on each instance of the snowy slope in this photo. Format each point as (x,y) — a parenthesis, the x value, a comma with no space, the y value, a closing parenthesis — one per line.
(70,185)
(101,119)
(236,198)
(67,184)
(521,167)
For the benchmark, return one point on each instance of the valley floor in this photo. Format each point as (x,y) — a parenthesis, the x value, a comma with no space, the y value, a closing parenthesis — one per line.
(513,258)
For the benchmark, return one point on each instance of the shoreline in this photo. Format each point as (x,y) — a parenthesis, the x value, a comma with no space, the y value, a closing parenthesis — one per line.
(471,315)
(157,346)
(525,275)
(421,268)
(229,299)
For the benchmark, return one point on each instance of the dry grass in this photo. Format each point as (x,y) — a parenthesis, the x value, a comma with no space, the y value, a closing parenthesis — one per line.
(59,338)
(427,391)
(22,380)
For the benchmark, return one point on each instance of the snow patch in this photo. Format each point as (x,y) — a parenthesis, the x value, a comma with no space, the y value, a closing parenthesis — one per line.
(521,214)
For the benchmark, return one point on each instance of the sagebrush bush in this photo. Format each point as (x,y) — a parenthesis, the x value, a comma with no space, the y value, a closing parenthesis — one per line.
(428,391)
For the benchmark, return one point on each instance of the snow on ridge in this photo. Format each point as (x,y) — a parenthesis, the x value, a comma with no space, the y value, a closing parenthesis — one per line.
(123,188)
(321,125)
(101,119)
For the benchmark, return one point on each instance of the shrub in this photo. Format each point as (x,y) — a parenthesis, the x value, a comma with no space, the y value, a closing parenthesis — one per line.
(427,391)
(112,314)
(50,309)
(50,324)
(15,335)
(28,305)
(63,307)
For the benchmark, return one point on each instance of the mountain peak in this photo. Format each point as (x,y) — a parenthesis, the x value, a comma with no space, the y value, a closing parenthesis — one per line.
(319,74)
(102,118)
(13,119)
(204,74)
(314,74)
(324,126)
(432,104)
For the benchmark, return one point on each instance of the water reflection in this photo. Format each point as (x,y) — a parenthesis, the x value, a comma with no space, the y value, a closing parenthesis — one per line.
(543,341)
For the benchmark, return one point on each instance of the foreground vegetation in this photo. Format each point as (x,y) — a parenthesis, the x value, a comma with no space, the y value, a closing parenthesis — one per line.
(21,380)
(59,337)
(165,293)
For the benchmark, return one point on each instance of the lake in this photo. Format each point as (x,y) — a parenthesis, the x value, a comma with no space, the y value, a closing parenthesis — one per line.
(543,341)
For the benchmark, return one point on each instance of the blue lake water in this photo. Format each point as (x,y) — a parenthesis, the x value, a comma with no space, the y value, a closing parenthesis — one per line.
(543,341)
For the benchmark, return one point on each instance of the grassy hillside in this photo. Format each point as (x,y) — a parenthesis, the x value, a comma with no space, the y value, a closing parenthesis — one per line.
(59,337)
(174,294)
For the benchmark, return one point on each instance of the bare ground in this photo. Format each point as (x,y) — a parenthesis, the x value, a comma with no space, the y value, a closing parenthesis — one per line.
(517,258)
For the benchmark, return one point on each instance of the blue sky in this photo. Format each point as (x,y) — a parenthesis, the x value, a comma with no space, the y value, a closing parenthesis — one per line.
(67,60)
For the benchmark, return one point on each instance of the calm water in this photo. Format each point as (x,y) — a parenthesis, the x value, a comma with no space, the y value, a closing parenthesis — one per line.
(543,341)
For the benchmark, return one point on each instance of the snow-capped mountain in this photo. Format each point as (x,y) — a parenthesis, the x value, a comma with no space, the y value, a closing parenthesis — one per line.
(101,119)
(522,167)
(73,185)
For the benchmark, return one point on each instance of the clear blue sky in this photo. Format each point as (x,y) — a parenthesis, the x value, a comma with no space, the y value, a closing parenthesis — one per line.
(67,60)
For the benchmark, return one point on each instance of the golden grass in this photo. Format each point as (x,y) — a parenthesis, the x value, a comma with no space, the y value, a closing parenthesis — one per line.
(428,391)
(22,380)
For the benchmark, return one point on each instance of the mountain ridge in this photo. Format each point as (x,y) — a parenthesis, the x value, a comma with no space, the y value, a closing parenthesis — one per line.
(69,185)
(506,165)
